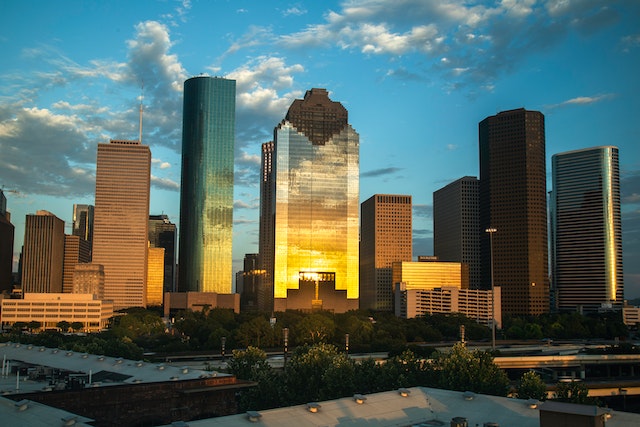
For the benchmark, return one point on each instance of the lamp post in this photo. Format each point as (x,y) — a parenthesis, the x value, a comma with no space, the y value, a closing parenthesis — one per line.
(492,230)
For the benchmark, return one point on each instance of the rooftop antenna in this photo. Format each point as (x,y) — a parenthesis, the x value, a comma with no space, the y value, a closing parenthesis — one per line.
(141,98)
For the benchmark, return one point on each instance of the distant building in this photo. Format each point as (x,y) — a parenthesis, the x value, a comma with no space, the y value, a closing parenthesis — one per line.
(385,237)
(197,301)
(456,225)
(76,251)
(250,281)
(51,308)
(43,253)
(206,193)
(83,222)
(162,234)
(7,232)
(476,304)
(586,230)
(155,276)
(314,186)
(513,201)
(89,279)
(430,275)
(120,237)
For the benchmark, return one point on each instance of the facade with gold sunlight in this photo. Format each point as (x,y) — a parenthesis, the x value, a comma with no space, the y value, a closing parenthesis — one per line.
(314,208)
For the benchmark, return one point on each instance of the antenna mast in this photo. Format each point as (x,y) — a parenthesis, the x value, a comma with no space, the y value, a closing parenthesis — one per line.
(141,98)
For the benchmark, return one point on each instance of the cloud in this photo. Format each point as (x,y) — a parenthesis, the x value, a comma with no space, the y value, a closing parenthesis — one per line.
(630,42)
(422,211)
(479,42)
(240,204)
(295,11)
(63,135)
(164,183)
(380,172)
(583,100)
(160,163)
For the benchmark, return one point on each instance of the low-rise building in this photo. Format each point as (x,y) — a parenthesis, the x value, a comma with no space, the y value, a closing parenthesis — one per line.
(474,303)
(51,308)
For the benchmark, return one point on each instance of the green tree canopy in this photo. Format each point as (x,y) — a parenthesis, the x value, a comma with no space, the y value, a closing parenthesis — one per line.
(462,370)
(531,386)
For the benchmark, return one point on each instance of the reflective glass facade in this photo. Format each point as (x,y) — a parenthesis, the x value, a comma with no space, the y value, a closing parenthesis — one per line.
(587,229)
(206,195)
(316,208)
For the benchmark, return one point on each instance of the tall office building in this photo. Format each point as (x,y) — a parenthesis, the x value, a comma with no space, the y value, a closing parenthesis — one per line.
(315,190)
(513,201)
(266,233)
(43,253)
(155,276)
(385,238)
(587,230)
(76,251)
(7,232)
(162,234)
(121,220)
(456,225)
(206,196)
(83,222)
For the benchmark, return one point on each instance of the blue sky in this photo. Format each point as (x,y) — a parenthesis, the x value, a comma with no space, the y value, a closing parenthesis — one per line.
(416,76)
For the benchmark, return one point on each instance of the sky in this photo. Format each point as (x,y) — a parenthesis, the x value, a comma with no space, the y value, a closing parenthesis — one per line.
(415,75)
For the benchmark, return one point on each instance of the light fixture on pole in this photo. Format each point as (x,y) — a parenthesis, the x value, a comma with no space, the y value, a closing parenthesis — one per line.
(492,230)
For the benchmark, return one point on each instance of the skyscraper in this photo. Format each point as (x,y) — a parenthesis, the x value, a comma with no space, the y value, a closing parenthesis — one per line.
(162,234)
(513,201)
(587,230)
(266,237)
(315,190)
(121,220)
(206,196)
(456,225)
(385,238)
(250,279)
(43,253)
(7,231)
(83,222)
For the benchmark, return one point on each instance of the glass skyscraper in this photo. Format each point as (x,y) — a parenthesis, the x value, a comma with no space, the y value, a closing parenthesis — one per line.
(206,195)
(315,208)
(586,230)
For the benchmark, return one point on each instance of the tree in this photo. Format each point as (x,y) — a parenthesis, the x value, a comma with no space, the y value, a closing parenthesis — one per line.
(251,364)
(33,325)
(255,332)
(531,386)
(462,370)
(77,326)
(313,329)
(574,392)
(304,373)
(63,326)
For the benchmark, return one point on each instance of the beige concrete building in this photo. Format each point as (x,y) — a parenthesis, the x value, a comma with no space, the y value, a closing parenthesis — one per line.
(196,301)
(89,279)
(474,303)
(51,308)
(120,239)
(385,237)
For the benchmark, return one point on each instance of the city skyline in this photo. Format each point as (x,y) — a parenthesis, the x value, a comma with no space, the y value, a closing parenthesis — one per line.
(417,77)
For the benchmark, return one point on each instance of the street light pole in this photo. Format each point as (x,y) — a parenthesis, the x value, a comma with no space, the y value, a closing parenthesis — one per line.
(492,230)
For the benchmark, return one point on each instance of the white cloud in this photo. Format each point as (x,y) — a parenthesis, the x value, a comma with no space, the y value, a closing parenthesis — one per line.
(164,183)
(583,100)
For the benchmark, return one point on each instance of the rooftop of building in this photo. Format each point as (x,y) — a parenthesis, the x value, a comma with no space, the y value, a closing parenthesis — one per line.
(33,414)
(95,370)
(417,406)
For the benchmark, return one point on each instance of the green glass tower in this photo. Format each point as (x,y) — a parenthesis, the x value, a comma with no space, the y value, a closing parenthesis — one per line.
(206,196)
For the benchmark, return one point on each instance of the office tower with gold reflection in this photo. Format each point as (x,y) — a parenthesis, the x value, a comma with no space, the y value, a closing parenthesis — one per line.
(315,207)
